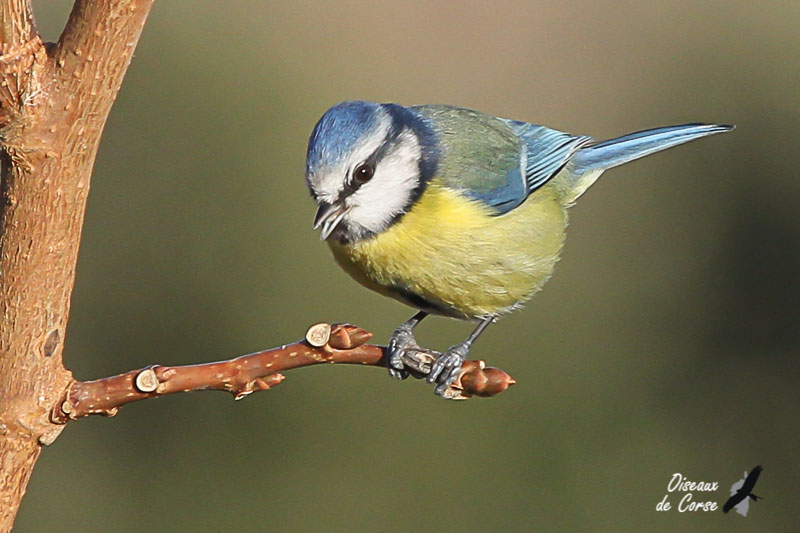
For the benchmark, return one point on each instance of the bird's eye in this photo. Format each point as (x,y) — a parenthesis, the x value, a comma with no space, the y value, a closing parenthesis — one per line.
(363,173)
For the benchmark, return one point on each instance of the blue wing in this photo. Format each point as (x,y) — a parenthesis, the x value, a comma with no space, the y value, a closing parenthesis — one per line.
(546,151)
(508,192)
(497,161)
(543,152)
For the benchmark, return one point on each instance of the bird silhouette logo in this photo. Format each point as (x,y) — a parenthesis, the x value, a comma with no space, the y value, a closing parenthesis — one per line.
(741,490)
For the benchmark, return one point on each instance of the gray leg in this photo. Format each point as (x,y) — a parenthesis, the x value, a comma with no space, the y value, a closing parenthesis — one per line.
(445,370)
(402,339)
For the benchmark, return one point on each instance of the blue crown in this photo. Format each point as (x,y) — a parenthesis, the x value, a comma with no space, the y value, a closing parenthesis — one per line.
(337,132)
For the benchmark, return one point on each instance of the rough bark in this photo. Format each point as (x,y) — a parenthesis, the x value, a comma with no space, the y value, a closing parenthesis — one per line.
(54,101)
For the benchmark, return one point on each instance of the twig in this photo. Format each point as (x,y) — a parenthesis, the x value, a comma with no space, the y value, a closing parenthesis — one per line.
(324,343)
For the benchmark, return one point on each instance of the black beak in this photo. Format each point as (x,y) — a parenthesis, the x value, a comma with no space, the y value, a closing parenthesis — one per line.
(329,216)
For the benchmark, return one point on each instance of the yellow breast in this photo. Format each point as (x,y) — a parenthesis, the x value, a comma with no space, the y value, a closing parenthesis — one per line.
(450,256)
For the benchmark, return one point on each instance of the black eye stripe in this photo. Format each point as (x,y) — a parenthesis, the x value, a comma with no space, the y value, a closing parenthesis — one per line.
(356,177)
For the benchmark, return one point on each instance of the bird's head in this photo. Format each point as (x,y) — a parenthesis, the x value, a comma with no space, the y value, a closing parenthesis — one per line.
(366,165)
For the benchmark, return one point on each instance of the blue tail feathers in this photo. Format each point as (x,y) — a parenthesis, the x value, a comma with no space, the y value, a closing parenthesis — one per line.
(615,152)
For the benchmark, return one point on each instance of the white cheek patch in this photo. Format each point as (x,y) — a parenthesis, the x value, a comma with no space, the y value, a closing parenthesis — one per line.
(377,202)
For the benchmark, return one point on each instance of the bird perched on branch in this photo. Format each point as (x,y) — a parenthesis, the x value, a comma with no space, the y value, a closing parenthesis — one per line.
(455,212)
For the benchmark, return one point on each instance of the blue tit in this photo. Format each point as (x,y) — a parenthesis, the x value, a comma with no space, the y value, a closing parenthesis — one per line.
(452,211)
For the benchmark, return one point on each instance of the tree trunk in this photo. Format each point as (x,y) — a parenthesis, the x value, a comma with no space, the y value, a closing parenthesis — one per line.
(54,101)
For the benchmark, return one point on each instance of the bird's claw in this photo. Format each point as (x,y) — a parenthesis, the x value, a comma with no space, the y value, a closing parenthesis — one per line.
(446,368)
(402,340)
(399,374)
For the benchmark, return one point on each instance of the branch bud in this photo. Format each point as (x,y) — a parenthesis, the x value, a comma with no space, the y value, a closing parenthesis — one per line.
(348,336)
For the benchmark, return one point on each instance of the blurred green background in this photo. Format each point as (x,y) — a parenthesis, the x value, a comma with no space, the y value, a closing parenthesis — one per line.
(666,342)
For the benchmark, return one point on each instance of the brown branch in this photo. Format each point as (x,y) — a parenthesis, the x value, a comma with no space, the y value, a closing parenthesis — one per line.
(16,25)
(20,47)
(99,38)
(340,343)
(54,102)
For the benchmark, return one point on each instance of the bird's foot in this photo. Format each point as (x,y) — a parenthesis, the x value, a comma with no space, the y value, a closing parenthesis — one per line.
(402,339)
(447,367)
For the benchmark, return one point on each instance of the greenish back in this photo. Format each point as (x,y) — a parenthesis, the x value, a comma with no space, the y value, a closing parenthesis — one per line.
(480,155)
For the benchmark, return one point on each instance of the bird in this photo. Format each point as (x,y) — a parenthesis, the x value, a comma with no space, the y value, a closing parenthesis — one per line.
(745,490)
(452,211)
